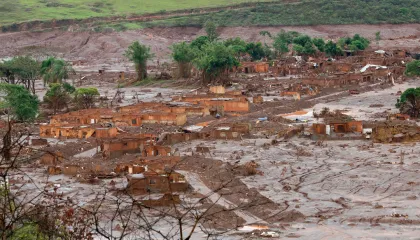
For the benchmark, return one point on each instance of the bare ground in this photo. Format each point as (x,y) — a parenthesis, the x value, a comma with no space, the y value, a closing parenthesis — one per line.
(108,48)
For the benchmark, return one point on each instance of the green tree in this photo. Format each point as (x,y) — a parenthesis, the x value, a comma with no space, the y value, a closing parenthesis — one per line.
(255,50)
(319,44)
(21,70)
(282,41)
(332,50)
(265,34)
(18,102)
(378,36)
(139,54)
(58,96)
(299,49)
(86,97)
(199,42)
(183,54)
(309,49)
(413,68)
(356,43)
(238,45)
(211,30)
(215,61)
(55,70)
(302,40)
(409,102)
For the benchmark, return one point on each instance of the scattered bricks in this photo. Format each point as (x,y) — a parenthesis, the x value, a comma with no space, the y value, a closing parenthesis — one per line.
(257,100)
(154,182)
(51,158)
(166,200)
(54,170)
(71,170)
(39,142)
(217,89)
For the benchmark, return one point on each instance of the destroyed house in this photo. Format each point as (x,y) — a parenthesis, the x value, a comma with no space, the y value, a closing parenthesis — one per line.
(143,164)
(51,158)
(338,127)
(163,118)
(113,148)
(253,67)
(76,131)
(156,182)
(86,116)
(396,131)
(169,108)
(154,150)
(338,79)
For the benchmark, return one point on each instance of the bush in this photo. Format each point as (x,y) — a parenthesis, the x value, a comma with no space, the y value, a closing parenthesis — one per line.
(413,68)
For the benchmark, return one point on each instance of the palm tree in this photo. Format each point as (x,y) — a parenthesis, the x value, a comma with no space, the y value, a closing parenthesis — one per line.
(55,70)
(139,54)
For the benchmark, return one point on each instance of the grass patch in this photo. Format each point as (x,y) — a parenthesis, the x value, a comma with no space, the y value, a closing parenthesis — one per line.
(28,10)
(307,12)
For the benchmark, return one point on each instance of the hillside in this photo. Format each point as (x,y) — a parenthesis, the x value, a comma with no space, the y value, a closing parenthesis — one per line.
(28,10)
(127,14)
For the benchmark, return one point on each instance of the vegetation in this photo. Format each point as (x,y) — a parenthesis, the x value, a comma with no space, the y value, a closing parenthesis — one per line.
(55,70)
(18,102)
(58,96)
(275,13)
(214,61)
(183,54)
(332,50)
(21,70)
(139,54)
(413,68)
(211,30)
(86,97)
(26,10)
(353,44)
(307,12)
(409,102)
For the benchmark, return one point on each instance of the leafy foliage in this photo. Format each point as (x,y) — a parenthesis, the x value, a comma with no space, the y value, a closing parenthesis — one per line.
(413,68)
(308,13)
(20,103)
(58,96)
(409,102)
(199,42)
(22,69)
(319,43)
(211,30)
(86,97)
(354,44)
(184,54)
(332,49)
(215,61)
(139,54)
(55,70)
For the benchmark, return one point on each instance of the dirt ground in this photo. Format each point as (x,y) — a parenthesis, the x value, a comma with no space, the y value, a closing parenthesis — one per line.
(106,49)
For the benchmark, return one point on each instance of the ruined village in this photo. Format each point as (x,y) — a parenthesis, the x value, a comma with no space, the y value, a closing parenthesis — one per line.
(305,146)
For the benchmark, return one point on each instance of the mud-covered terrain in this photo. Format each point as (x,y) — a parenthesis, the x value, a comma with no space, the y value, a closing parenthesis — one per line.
(108,48)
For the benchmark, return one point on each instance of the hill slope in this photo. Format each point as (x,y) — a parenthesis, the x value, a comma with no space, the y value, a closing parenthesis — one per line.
(29,10)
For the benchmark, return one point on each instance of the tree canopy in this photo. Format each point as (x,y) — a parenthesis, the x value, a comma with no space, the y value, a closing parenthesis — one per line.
(211,30)
(139,54)
(413,68)
(55,70)
(409,102)
(22,69)
(356,43)
(215,61)
(58,96)
(19,102)
(86,97)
